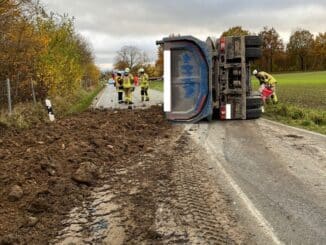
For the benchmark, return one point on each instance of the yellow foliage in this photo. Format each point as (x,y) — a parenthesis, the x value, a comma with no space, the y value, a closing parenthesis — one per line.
(44,48)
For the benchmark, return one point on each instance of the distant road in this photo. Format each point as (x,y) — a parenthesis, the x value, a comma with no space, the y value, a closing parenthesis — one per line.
(108,98)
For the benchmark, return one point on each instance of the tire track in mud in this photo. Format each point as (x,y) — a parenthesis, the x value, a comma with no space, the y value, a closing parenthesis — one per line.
(163,196)
(200,210)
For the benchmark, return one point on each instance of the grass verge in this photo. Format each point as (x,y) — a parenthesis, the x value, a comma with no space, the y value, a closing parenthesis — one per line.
(84,101)
(156,85)
(310,119)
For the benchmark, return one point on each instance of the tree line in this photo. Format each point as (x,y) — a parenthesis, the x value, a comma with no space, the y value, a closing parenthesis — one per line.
(303,52)
(43,48)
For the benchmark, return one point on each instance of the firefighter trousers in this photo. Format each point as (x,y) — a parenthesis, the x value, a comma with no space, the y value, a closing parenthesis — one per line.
(128,95)
(144,94)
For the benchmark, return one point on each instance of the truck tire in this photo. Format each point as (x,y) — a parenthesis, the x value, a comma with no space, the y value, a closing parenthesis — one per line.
(253,53)
(253,41)
(254,102)
(254,113)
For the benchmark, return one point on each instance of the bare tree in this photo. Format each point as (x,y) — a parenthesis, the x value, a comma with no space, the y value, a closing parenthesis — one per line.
(130,56)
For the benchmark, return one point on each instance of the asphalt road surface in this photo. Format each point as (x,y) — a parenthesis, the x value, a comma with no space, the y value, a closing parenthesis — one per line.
(276,174)
(108,98)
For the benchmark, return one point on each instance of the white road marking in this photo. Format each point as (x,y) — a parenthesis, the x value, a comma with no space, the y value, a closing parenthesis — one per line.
(265,225)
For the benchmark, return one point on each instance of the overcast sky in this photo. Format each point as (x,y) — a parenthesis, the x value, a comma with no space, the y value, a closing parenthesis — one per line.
(109,24)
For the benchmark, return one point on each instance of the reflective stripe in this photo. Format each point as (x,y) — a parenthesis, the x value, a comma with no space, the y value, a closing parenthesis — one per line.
(167,80)
(228,111)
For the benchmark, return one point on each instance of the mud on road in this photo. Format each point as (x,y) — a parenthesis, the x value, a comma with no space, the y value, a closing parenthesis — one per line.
(110,177)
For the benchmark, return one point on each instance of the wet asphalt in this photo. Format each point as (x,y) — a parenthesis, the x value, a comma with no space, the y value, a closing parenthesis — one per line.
(282,172)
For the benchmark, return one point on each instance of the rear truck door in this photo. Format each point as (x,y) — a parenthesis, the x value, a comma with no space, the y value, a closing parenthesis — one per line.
(187,79)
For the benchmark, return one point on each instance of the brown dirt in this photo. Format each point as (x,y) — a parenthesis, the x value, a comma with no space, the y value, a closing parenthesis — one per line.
(43,159)
(152,186)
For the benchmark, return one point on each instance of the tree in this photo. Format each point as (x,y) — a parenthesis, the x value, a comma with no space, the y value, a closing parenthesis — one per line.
(319,51)
(159,62)
(300,45)
(42,47)
(272,44)
(130,56)
(235,31)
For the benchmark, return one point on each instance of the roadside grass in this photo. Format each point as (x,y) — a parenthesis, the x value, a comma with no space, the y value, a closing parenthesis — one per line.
(84,100)
(306,118)
(27,114)
(156,85)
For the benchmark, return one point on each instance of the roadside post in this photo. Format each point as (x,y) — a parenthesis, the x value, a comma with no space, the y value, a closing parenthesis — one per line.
(50,110)
(9,97)
(33,92)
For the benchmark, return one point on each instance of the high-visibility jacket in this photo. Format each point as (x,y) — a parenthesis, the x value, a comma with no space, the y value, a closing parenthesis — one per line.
(264,77)
(128,81)
(144,81)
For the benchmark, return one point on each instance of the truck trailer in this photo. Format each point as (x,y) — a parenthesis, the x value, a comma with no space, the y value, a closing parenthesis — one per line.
(210,79)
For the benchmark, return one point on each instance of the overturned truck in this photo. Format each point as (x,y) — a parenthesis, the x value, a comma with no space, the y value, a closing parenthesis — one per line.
(210,79)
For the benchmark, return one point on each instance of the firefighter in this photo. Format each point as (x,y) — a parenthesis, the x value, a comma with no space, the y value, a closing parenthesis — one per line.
(119,87)
(144,84)
(128,86)
(269,81)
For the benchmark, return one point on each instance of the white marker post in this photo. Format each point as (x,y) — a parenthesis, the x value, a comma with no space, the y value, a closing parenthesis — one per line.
(50,110)
(167,80)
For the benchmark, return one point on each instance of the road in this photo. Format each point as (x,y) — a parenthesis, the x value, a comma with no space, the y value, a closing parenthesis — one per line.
(108,98)
(274,174)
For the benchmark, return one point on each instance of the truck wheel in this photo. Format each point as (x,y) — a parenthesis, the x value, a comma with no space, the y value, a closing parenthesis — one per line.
(253,41)
(253,53)
(254,102)
(254,113)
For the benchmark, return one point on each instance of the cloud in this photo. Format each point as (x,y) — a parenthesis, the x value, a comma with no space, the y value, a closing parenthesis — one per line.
(110,24)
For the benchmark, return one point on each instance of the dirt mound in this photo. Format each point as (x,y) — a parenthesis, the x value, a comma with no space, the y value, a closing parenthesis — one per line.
(45,171)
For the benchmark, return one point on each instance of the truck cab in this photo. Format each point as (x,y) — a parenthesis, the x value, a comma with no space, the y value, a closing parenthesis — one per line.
(210,79)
